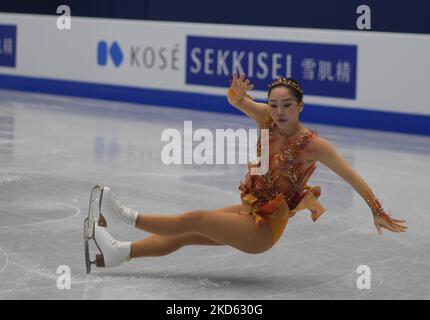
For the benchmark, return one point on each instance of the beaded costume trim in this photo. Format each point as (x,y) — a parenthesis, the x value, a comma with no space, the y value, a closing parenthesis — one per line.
(265,187)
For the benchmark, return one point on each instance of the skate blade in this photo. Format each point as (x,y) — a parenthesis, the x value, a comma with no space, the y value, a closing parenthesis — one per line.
(94,210)
(94,216)
(87,237)
(88,222)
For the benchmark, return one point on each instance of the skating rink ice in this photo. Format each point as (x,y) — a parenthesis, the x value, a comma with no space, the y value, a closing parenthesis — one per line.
(54,149)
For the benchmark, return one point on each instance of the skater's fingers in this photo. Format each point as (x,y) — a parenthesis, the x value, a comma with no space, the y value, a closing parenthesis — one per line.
(242,76)
(234,76)
(398,221)
(250,87)
(396,228)
(398,225)
(247,81)
(391,229)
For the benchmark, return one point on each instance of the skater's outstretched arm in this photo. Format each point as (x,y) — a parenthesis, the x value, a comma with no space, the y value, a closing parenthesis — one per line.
(237,96)
(325,152)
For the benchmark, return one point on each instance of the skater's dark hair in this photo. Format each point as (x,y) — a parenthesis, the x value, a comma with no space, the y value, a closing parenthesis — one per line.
(289,83)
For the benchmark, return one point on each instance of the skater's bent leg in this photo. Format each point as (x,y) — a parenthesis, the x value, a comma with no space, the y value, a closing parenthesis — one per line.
(238,231)
(156,245)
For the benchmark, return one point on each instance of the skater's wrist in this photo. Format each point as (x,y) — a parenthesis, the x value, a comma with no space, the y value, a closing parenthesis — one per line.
(376,208)
(234,97)
(373,203)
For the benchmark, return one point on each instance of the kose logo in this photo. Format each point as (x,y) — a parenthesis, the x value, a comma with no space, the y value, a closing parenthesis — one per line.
(137,56)
(114,51)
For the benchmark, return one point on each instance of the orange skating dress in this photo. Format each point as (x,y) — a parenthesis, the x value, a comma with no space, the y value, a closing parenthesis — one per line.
(280,193)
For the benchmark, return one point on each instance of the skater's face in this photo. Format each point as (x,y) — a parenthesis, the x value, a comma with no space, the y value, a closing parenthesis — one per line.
(284,107)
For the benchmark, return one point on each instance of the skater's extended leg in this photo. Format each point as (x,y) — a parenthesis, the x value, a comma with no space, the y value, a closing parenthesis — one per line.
(112,209)
(238,231)
(197,227)
(236,208)
(156,245)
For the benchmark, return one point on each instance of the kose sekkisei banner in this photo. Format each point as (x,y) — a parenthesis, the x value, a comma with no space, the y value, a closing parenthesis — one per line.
(323,69)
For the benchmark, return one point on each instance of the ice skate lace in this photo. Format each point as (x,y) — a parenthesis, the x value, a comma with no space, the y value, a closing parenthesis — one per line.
(113,241)
(122,213)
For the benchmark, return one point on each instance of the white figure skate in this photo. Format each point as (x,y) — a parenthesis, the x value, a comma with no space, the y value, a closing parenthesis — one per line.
(112,252)
(101,200)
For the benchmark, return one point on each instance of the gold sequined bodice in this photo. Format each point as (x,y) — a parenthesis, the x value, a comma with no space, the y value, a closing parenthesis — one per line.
(288,170)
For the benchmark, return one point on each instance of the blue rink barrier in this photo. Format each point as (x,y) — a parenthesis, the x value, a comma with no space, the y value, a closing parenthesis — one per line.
(324,114)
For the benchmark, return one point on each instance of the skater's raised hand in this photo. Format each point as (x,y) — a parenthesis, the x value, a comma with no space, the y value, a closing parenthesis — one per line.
(385,221)
(237,96)
(238,89)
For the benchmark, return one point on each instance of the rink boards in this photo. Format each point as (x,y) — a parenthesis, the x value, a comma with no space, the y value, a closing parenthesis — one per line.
(351,78)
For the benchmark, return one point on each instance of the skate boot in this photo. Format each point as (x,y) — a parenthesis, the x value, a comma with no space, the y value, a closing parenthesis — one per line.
(112,252)
(111,209)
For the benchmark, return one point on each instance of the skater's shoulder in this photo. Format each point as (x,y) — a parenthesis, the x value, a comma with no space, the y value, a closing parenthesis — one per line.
(318,146)
(320,142)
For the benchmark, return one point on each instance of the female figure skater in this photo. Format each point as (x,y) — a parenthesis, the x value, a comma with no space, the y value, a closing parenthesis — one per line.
(268,200)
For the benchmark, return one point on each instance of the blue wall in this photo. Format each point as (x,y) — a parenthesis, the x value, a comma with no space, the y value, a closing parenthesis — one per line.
(412,16)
